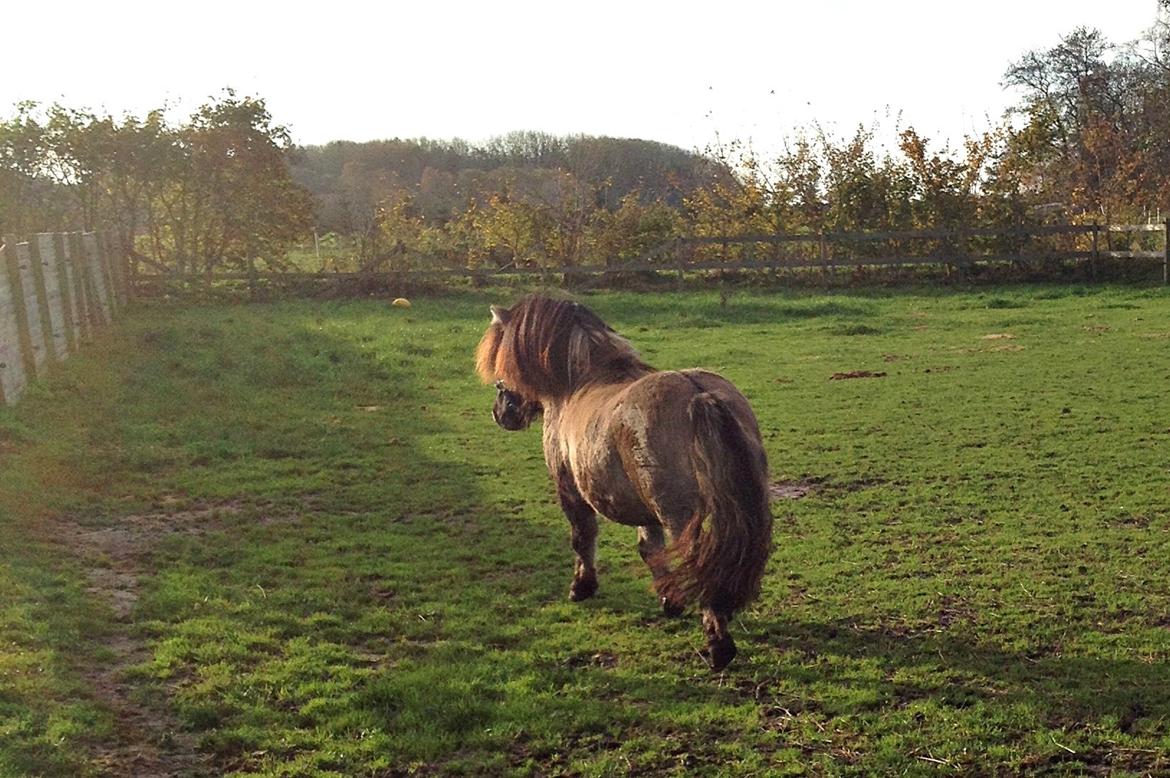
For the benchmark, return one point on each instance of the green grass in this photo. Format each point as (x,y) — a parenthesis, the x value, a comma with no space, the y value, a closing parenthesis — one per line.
(348,569)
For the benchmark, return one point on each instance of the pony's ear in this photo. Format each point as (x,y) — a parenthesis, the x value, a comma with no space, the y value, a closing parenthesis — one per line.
(500,315)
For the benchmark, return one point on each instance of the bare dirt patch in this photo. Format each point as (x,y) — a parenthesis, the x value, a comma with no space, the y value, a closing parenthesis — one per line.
(115,555)
(795,489)
(803,487)
(148,740)
(791,490)
(857,374)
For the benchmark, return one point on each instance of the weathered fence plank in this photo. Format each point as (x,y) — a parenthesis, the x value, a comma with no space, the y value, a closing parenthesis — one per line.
(97,277)
(13,378)
(80,287)
(53,298)
(92,303)
(117,268)
(20,310)
(1133,254)
(111,271)
(107,271)
(35,315)
(1135,227)
(65,275)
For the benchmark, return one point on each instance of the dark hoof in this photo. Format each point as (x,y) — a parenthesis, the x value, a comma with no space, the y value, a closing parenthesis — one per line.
(671,609)
(720,653)
(582,589)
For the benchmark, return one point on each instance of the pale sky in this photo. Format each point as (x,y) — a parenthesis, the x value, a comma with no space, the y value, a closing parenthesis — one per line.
(679,72)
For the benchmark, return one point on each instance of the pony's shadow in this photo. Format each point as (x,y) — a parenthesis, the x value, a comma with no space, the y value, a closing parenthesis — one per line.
(951,664)
(1071,687)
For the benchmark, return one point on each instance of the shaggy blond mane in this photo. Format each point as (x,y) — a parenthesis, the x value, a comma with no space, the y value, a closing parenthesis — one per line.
(547,348)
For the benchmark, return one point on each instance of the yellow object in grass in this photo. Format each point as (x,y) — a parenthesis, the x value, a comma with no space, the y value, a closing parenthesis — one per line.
(401,302)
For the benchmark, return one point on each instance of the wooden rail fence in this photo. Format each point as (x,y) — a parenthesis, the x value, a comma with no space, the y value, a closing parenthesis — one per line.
(56,291)
(791,251)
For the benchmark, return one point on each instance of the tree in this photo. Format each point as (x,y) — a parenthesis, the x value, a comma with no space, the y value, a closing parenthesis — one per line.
(212,192)
(1096,118)
(235,201)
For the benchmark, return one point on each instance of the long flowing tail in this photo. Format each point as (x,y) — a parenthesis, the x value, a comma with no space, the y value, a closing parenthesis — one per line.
(721,553)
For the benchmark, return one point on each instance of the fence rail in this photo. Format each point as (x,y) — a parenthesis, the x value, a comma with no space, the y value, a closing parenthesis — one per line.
(56,291)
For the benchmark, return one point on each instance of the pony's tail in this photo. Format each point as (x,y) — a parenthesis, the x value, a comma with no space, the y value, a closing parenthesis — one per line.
(720,554)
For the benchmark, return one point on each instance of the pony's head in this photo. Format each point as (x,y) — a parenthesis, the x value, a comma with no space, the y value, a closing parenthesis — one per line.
(513,412)
(545,349)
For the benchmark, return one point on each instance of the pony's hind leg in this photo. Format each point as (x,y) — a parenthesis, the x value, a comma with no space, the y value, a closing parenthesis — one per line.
(651,547)
(582,537)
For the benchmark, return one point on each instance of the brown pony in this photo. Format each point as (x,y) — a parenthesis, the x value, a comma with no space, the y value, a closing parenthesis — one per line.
(675,453)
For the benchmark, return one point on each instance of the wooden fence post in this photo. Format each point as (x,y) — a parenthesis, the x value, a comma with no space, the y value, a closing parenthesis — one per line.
(251,279)
(1166,253)
(963,253)
(1096,251)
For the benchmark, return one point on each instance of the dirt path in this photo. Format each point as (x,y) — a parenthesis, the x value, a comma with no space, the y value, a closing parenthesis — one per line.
(147,738)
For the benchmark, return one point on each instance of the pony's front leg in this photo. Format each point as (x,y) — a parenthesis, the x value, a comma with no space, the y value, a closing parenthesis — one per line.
(652,548)
(582,536)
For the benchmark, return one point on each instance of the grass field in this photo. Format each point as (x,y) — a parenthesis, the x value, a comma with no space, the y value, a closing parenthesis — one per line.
(287,539)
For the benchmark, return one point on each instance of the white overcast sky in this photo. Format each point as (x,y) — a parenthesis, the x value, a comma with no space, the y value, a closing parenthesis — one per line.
(679,72)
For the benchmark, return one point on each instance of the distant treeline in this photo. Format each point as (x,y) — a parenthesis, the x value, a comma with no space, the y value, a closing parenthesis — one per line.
(349,181)
(1086,142)
(525,196)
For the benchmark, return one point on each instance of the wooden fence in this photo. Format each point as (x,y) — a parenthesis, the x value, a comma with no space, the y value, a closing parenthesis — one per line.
(950,247)
(56,291)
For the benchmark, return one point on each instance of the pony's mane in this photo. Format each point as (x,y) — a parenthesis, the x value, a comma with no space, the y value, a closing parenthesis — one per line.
(548,348)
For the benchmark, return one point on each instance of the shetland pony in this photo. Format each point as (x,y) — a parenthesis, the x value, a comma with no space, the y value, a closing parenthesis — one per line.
(674,453)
